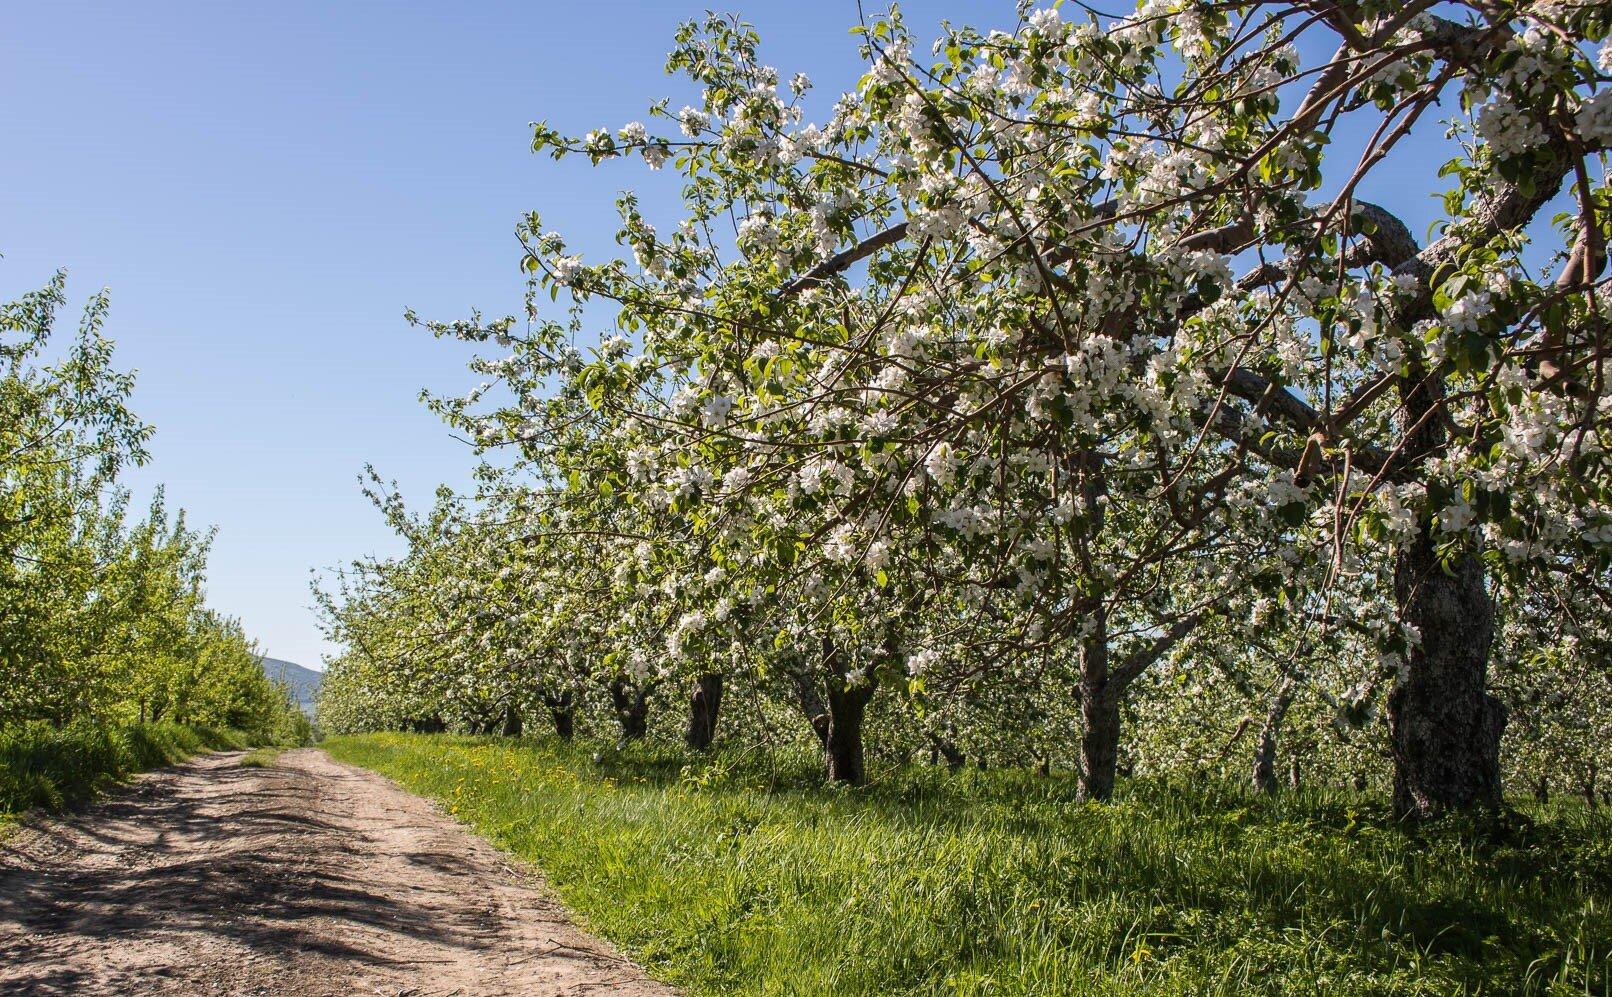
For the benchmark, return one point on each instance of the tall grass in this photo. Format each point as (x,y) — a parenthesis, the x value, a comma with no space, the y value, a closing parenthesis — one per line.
(729,876)
(42,766)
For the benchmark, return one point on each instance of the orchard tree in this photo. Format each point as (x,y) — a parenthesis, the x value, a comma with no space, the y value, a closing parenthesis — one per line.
(103,619)
(1047,357)
(1130,232)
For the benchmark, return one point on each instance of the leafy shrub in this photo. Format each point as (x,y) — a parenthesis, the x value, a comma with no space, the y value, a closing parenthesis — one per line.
(44,766)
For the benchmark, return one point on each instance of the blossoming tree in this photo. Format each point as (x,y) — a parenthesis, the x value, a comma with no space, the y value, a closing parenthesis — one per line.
(1064,342)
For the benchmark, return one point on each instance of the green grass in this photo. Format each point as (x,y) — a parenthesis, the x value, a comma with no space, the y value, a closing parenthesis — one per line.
(260,758)
(41,766)
(743,875)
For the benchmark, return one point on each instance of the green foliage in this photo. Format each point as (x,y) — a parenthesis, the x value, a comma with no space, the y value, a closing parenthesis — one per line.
(103,618)
(41,766)
(743,874)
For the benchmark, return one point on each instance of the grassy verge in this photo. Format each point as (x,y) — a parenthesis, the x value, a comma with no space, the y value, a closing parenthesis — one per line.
(259,758)
(726,878)
(41,766)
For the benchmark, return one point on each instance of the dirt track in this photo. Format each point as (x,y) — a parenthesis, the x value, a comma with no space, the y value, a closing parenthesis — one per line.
(307,878)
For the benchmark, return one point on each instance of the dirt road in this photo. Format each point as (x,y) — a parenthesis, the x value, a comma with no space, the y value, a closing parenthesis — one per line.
(306,878)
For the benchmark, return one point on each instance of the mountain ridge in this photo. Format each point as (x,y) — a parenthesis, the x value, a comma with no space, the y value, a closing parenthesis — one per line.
(304,681)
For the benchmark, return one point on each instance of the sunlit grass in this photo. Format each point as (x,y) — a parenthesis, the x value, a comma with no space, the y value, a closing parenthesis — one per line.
(744,875)
(259,758)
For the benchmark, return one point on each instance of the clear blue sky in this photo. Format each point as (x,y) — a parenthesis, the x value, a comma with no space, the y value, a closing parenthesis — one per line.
(266,187)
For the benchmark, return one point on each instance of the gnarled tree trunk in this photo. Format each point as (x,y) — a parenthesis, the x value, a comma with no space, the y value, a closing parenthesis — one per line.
(842,742)
(1103,684)
(562,711)
(631,703)
(1099,712)
(1444,727)
(939,748)
(512,721)
(811,705)
(703,705)
(1265,750)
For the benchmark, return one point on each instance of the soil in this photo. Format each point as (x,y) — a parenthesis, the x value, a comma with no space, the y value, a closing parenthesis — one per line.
(303,878)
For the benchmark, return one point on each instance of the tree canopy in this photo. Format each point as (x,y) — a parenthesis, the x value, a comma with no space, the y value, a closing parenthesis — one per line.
(1065,373)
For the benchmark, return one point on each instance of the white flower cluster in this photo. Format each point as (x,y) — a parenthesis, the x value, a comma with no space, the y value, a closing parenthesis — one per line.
(1466,312)
(565,268)
(923,661)
(758,233)
(1536,55)
(1508,129)
(826,475)
(693,121)
(1457,516)
(1594,119)
(1398,503)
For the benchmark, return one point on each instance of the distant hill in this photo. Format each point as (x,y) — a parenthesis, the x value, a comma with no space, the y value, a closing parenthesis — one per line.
(304,682)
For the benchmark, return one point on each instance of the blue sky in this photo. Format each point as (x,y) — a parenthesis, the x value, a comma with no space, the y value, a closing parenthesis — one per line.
(265,188)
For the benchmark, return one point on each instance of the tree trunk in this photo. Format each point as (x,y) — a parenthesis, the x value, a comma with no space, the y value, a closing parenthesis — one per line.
(512,721)
(631,704)
(811,706)
(942,748)
(1265,750)
(1542,790)
(842,742)
(1099,712)
(1293,773)
(564,722)
(562,711)
(702,711)
(1444,727)
(1587,786)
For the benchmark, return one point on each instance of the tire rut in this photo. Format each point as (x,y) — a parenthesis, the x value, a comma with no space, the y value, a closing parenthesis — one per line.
(304,878)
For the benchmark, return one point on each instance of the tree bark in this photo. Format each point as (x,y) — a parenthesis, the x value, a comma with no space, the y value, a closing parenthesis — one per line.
(1099,712)
(1265,750)
(631,703)
(562,711)
(564,722)
(703,705)
(512,721)
(1444,727)
(811,706)
(842,742)
(942,748)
